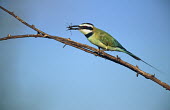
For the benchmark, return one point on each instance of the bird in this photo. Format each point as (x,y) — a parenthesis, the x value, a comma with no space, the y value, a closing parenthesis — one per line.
(103,40)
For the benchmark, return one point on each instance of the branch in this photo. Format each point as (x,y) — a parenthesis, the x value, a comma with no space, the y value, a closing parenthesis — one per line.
(83,47)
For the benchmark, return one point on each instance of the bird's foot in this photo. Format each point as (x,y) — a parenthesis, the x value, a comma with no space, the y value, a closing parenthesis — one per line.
(100,51)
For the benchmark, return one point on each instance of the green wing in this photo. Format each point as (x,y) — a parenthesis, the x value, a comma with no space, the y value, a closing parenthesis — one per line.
(108,40)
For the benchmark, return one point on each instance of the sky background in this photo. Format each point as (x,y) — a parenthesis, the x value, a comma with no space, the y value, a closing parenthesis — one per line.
(39,74)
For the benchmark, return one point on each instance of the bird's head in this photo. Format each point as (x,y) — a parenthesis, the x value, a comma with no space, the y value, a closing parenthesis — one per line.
(84,28)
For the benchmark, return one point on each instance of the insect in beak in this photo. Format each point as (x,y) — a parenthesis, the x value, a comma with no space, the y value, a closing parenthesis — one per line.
(74,27)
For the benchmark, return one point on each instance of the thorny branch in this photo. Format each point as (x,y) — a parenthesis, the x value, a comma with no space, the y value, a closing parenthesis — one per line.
(83,47)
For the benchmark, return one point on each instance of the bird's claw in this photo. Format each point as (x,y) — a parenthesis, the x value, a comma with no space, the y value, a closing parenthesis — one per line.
(100,51)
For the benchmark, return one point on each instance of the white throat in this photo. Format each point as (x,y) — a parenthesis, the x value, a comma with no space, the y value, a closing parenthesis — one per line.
(85,31)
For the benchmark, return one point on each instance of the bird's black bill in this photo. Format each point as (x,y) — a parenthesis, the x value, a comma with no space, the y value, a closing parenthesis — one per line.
(75,27)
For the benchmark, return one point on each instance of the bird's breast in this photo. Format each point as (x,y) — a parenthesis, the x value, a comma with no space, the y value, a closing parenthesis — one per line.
(93,39)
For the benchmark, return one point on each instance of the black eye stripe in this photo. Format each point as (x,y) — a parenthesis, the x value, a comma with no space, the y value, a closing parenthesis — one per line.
(86,27)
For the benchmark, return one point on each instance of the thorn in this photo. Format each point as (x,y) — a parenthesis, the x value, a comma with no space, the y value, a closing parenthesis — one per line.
(137,66)
(45,35)
(137,74)
(118,58)
(64,45)
(153,75)
(16,16)
(38,32)
(9,35)
(69,39)
(33,26)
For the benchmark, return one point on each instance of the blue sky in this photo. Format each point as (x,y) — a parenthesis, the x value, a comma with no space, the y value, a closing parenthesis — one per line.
(39,74)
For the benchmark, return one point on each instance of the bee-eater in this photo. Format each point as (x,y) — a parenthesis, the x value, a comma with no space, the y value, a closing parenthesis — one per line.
(102,39)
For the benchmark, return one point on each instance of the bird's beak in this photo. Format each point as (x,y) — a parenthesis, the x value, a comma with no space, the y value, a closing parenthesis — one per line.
(74,27)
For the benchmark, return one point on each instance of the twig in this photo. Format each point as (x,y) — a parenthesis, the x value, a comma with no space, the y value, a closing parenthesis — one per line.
(31,26)
(83,47)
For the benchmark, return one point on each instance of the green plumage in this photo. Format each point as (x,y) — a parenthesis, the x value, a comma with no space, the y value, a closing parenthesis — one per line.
(102,39)
(105,41)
